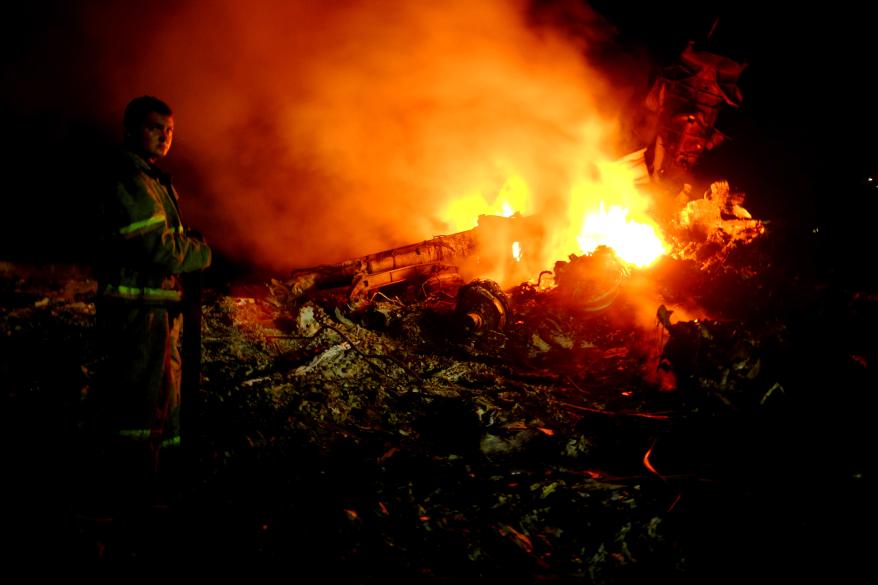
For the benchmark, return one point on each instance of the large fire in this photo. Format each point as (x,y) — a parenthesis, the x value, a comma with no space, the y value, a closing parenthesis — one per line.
(607,210)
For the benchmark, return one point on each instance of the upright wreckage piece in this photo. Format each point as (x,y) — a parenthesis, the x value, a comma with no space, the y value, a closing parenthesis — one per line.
(687,98)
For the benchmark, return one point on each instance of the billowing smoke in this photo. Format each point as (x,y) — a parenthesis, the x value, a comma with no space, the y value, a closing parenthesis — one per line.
(312,132)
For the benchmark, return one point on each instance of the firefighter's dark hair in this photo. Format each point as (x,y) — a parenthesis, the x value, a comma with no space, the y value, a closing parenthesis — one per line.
(139,108)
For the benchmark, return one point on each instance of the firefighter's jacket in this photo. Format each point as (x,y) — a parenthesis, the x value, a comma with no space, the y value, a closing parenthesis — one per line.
(145,246)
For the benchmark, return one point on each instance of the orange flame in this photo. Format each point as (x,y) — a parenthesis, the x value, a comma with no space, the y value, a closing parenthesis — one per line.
(609,209)
(603,208)
(634,242)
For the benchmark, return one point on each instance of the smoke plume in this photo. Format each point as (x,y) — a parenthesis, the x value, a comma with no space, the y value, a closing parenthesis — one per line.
(310,132)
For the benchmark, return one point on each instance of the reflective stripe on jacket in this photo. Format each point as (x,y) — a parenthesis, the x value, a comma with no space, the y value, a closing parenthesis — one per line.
(145,435)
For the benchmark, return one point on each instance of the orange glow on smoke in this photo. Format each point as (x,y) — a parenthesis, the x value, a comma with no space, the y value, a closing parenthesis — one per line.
(463,213)
(319,131)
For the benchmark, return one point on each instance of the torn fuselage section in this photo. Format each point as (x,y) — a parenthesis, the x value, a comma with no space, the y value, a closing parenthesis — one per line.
(687,97)
(465,267)
(443,263)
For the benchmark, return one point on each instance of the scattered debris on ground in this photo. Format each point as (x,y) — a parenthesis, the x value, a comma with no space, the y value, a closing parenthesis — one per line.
(523,437)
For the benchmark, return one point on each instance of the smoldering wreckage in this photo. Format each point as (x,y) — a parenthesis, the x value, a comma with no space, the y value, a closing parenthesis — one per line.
(391,417)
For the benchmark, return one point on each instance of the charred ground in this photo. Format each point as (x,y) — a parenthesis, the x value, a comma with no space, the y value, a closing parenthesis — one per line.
(377,445)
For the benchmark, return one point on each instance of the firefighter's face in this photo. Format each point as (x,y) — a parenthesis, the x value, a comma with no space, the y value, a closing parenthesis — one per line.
(154,137)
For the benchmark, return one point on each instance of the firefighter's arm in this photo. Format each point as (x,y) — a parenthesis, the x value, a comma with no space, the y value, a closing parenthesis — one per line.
(179,252)
(147,232)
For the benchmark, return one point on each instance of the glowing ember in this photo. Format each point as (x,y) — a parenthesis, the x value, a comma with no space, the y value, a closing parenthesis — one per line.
(516,251)
(633,242)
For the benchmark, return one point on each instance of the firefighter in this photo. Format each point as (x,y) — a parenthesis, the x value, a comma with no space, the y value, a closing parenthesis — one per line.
(145,250)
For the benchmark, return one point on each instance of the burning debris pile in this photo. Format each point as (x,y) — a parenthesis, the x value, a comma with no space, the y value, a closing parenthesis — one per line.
(403,416)
(438,430)
(577,391)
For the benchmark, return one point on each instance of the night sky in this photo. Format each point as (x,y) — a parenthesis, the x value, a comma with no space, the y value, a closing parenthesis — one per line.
(802,148)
